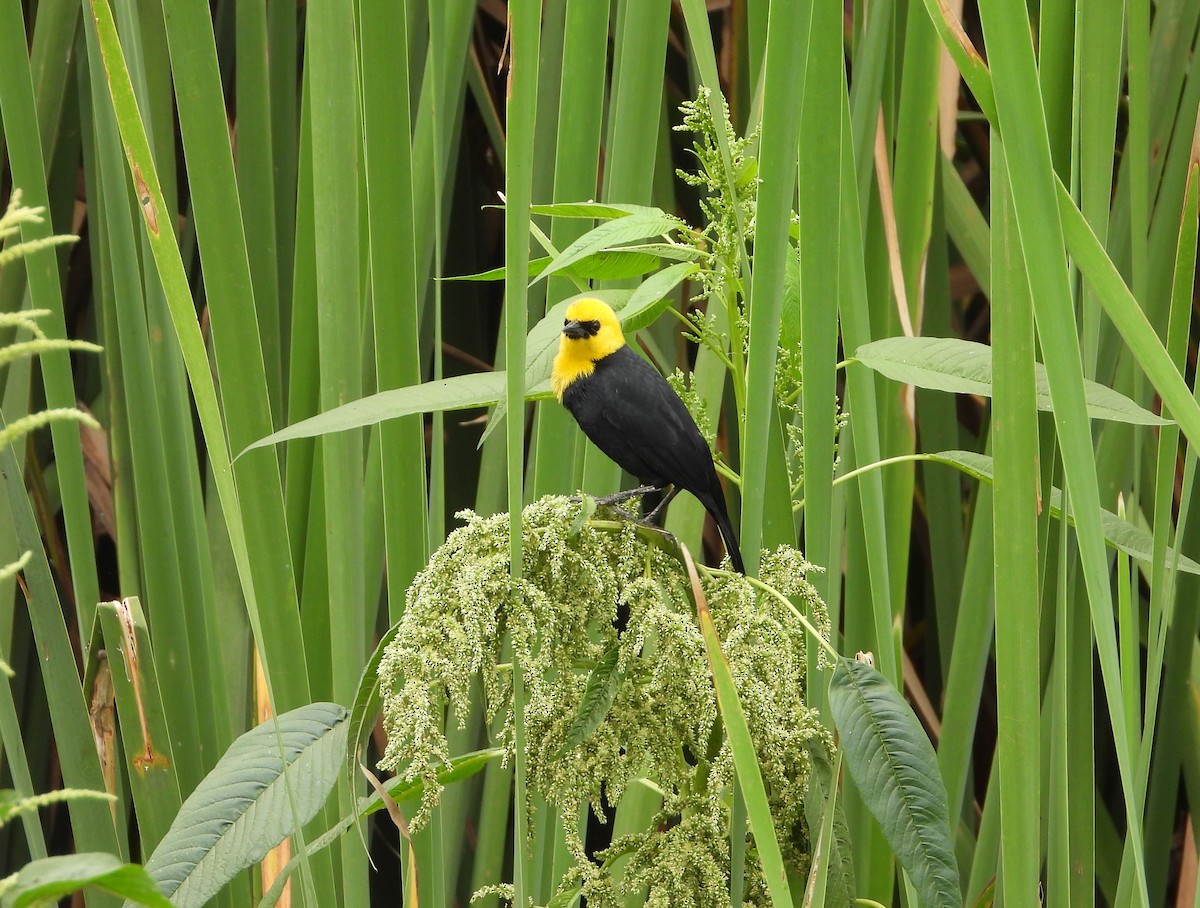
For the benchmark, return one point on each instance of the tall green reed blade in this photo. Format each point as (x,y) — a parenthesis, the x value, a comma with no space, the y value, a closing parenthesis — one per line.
(149,742)
(525,32)
(238,350)
(558,442)
(636,91)
(1014,437)
(1021,120)
(336,132)
(1098,84)
(856,330)
(777,156)
(170,266)
(822,137)
(868,611)
(152,493)
(1164,582)
(54,34)
(19,113)
(257,189)
(938,420)
(91,821)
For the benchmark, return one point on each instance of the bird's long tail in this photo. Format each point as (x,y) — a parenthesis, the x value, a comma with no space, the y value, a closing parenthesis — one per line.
(721,516)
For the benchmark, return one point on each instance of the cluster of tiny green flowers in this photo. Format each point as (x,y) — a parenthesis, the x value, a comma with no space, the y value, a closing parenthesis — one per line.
(682,385)
(660,720)
(789,389)
(724,204)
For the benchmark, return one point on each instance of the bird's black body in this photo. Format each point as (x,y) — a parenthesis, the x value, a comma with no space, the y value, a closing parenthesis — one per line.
(631,414)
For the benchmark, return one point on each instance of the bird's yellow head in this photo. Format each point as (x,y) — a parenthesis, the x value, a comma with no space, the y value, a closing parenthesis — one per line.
(590,332)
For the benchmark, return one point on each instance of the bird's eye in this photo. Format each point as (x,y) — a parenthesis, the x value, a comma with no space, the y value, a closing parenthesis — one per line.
(566,321)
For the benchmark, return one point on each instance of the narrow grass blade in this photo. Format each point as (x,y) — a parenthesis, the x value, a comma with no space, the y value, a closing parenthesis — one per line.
(92,822)
(745,760)
(778,156)
(18,111)
(1014,436)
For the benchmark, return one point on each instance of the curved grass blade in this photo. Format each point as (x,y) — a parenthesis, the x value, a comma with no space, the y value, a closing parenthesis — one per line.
(1118,532)
(745,760)
(367,703)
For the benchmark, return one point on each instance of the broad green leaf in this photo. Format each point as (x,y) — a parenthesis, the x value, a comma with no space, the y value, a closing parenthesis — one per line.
(243,808)
(400,791)
(895,769)
(823,811)
(598,697)
(965,367)
(647,223)
(672,252)
(614,265)
(46,881)
(642,306)
(1118,532)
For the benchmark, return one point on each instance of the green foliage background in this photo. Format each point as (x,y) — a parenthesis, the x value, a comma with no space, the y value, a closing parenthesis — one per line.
(266,194)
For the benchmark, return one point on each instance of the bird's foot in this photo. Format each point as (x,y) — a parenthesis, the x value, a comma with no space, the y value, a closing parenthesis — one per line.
(618,497)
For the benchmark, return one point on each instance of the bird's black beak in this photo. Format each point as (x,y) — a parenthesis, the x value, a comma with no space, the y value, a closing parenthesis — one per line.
(575,329)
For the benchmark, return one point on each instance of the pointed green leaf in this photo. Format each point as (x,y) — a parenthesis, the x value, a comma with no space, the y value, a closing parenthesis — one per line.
(606,210)
(605,265)
(823,811)
(536,267)
(598,697)
(895,769)
(651,298)
(367,702)
(45,881)
(243,808)
(400,791)
(647,223)
(965,367)
(1118,532)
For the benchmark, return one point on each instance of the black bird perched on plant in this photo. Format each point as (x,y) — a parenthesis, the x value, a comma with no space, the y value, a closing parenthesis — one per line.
(631,414)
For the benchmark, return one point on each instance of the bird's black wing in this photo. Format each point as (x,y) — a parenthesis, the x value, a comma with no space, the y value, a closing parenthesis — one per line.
(645,428)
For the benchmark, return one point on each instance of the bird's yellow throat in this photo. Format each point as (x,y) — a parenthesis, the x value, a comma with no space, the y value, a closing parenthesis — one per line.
(591,331)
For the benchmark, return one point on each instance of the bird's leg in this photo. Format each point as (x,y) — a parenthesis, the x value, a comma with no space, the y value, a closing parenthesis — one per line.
(618,497)
(653,516)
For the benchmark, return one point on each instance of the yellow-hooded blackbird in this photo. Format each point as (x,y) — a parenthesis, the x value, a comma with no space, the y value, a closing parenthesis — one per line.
(631,414)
